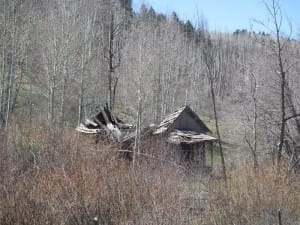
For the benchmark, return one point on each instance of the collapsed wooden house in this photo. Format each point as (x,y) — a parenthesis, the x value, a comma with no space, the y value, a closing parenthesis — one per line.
(184,137)
(105,123)
(181,137)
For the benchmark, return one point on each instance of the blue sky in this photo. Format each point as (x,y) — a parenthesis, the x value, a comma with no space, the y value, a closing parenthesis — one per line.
(226,15)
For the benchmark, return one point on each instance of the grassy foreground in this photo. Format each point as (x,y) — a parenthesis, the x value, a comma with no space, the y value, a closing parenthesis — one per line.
(55,176)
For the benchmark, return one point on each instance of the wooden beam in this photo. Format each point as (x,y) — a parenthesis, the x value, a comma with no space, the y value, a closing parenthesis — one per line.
(211,155)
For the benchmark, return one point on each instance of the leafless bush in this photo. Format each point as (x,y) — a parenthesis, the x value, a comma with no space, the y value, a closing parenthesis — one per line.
(255,198)
(55,177)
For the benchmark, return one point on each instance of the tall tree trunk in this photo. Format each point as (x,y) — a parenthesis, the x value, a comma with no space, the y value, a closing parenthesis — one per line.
(81,90)
(139,113)
(110,62)
(217,128)
(80,102)
(209,55)
(282,88)
(2,90)
(50,103)
(253,142)
(63,94)
(10,77)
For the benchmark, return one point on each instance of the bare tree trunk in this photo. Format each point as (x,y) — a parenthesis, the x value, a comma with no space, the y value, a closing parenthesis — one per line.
(63,94)
(210,54)
(254,130)
(274,11)
(139,115)
(2,87)
(3,70)
(80,102)
(137,132)
(81,91)
(112,52)
(158,99)
(253,142)
(50,102)
(217,128)
(10,76)
(282,102)
(110,70)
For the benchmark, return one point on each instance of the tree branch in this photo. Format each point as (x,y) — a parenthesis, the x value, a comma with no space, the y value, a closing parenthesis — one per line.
(291,117)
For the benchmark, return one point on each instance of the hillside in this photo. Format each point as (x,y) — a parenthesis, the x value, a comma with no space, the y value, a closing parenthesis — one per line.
(61,60)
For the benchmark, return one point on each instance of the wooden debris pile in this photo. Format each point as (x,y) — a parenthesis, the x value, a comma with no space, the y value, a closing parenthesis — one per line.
(105,122)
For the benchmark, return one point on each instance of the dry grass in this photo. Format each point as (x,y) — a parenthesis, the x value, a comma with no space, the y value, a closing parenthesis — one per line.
(54,176)
(255,198)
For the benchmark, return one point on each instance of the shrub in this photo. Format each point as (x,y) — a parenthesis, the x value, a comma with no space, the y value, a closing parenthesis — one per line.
(56,177)
(255,198)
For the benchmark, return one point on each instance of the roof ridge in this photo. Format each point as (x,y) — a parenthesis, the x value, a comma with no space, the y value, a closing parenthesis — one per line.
(170,119)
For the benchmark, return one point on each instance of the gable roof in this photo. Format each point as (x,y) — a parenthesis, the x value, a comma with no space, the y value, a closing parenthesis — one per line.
(171,118)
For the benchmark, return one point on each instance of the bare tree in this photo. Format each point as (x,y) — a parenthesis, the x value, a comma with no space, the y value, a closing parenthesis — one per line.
(112,45)
(280,49)
(275,13)
(209,56)
(13,45)
(252,143)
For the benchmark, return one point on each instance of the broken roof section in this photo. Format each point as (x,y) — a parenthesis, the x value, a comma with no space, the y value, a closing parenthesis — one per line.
(105,121)
(188,137)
